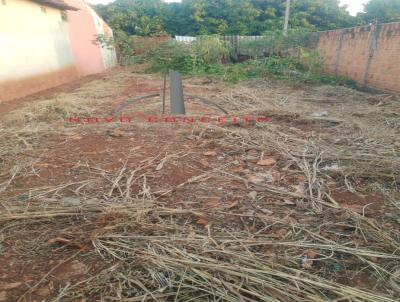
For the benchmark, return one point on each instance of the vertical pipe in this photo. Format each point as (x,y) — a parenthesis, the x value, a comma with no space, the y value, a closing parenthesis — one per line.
(287,15)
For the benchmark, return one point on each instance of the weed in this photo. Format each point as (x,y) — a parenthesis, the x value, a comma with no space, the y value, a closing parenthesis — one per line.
(188,58)
(130,49)
(274,43)
(209,56)
(287,69)
(172,55)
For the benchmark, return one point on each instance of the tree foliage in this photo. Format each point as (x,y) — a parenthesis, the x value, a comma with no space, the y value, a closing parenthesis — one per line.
(381,11)
(224,17)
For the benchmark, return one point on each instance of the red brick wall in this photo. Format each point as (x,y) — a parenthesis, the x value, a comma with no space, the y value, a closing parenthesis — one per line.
(370,55)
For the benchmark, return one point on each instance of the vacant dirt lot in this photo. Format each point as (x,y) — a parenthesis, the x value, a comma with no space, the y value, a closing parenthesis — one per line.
(304,207)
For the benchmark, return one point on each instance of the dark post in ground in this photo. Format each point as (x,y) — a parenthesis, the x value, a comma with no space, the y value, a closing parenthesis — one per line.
(176,93)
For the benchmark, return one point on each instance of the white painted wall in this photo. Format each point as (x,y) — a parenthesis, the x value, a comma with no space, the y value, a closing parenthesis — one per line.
(32,42)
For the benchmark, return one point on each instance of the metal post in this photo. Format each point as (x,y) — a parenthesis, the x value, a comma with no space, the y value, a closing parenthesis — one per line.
(176,93)
(287,15)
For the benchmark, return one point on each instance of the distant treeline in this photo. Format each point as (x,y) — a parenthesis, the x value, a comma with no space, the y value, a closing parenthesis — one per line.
(237,17)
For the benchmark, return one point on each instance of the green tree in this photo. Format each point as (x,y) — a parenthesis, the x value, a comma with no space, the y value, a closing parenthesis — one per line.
(381,11)
(224,17)
(135,17)
(320,15)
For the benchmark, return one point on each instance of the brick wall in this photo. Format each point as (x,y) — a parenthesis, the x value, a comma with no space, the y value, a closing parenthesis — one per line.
(370,55)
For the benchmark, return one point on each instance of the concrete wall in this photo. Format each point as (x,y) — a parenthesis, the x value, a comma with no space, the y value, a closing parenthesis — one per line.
(370,55)
(35,51)
(109,57)
(39,49)
(82,31)
(84,26)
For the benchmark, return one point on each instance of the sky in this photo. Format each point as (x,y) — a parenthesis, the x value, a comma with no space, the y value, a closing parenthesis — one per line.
(354,6)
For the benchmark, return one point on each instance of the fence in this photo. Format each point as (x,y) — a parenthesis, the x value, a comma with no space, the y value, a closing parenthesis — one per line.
(369,55)
(245,47)
(185,39)
(234,41)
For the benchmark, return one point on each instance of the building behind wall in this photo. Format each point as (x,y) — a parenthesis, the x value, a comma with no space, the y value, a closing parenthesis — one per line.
(44,43)
(84,26)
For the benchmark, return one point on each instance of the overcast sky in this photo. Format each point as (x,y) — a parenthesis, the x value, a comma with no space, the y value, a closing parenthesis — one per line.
(354,6)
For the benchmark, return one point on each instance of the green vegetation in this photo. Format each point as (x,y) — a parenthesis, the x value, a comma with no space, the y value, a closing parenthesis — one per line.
(130,49)
(273,55)
(381,11)
(209,56)
(207,51)
(287,69)
(222,17)
(274,43)
(237,17)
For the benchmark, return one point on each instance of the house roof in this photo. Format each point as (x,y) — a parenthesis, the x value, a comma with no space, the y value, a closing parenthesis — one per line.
(60,4)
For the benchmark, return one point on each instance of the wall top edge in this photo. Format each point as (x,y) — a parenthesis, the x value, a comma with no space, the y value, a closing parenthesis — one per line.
(364,27)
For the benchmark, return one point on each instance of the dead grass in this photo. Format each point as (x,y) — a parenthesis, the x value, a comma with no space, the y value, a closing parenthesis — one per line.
(23,127)
(290,241)
(158,253)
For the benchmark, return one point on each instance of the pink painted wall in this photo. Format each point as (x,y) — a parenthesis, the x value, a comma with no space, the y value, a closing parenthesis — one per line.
(82,32)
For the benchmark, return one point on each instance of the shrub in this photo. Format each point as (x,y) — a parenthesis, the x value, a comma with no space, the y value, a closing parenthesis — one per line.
(172,55)
(274,43)
(130,49)
(187,58)
(211,50)
(210,56)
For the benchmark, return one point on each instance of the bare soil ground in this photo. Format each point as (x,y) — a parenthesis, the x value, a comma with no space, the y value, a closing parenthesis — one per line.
(304,207)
